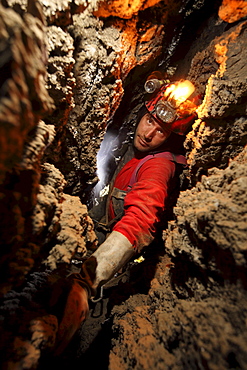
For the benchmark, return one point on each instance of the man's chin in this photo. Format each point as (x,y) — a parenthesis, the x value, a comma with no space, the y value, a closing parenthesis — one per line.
(142,149)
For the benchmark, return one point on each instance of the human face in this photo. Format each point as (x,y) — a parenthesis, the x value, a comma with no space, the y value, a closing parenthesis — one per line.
(149,134)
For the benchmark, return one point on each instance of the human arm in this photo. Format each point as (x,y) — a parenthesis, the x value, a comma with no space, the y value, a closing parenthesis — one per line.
(144,206)
(146,202)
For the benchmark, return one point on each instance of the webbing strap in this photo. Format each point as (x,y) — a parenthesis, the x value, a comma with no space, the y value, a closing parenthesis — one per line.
(177,158)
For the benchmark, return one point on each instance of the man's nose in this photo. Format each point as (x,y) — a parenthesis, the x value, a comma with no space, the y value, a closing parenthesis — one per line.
(149,134)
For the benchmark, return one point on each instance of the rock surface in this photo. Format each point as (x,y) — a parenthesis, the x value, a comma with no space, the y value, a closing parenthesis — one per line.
(197,299)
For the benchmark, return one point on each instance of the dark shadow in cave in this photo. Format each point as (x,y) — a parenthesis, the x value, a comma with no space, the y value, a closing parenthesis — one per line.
(193,26)
(216,267)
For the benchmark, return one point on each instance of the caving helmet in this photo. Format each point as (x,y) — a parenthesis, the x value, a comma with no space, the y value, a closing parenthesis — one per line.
(169,104)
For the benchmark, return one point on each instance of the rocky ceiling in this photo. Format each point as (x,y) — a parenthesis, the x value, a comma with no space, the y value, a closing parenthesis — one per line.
(70,71)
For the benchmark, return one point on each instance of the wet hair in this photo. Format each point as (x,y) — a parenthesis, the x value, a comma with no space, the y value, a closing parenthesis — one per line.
(173,144)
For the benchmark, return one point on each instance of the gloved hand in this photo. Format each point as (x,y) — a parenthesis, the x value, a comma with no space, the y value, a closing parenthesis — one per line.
(75,312)
(108,259)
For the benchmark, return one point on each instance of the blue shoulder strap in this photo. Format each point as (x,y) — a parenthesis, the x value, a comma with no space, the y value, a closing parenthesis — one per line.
(177,158)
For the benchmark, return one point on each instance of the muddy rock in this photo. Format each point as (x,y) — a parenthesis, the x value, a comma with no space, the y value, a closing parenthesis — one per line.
(60,79)
(19,196)
(27,353)
(60,221)
(220,131)
(122,9)
(197,298)
(23,82)
(60,13)
(220,213)
(28,324)
(232,11)
(39,139)
(48,207)
(74,235)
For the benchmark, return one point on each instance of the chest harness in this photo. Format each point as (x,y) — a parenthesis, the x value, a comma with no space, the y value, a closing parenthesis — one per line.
(117,195)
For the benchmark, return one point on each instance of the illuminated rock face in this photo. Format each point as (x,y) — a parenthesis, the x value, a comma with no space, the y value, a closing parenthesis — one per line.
(220,131)
(232,10)
(69,69)
(127,9)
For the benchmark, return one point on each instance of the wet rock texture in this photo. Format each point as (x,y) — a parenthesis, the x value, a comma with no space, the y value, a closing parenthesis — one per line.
(69,69)
(197,302)
(220,131)
(24,101)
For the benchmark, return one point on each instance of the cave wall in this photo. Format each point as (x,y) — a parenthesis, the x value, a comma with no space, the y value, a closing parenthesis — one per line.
(68,70)
(194,315)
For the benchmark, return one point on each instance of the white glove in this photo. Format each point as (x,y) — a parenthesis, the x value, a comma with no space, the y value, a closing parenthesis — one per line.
(108,259)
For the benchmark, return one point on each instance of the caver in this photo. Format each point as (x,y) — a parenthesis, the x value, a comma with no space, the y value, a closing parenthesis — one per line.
(140,194)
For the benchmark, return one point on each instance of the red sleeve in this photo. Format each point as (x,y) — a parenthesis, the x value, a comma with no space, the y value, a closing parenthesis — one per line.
(145,203)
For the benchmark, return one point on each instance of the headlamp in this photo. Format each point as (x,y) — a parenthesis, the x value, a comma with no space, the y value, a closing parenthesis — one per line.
(170,103)
(152,85)
(165,112)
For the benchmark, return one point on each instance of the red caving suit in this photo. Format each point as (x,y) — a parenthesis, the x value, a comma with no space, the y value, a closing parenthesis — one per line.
(144,204)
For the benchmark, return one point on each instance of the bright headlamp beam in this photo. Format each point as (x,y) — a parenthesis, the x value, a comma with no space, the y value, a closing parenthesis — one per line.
(180,92)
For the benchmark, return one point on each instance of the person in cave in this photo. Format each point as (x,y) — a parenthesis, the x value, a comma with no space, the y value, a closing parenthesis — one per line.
(143,186)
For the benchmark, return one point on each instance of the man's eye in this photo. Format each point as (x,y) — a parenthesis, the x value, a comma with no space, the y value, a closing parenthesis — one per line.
(160,132)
